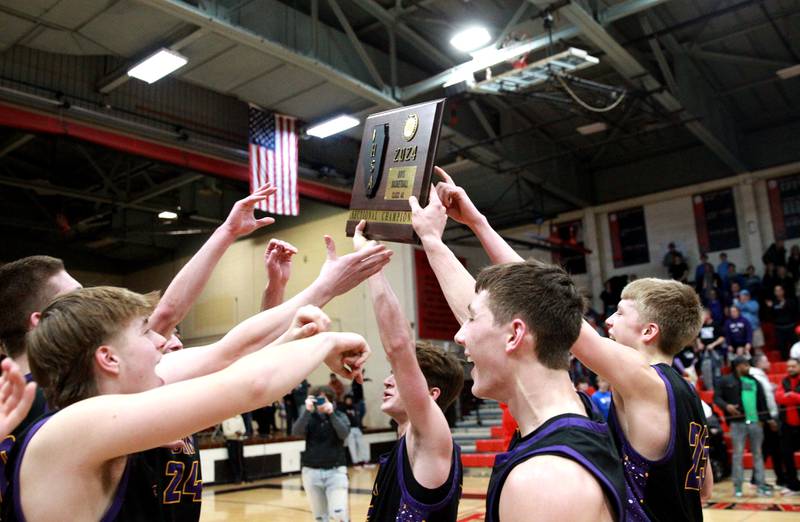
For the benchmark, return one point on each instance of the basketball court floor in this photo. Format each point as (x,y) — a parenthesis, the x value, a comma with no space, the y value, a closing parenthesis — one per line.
(282,500)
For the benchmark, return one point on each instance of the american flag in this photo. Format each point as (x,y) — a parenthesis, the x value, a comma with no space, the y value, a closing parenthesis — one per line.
(273,159)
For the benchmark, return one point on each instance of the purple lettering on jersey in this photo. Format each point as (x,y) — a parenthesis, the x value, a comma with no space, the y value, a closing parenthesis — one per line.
(172,493)
(193,485)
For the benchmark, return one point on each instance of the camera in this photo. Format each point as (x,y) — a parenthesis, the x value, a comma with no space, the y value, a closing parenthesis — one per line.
(320,401)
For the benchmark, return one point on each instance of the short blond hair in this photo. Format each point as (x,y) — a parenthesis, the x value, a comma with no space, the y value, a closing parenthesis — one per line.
(62,346)
(672,305)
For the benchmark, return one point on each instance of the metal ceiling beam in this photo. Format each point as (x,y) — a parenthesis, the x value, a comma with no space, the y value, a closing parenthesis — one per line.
(612,14)
(399,12)
(661,60)
(167,186)
(625,63)
(738,59)
(512,22)
(14,143)
(244,37)
(360,51)
(405,32)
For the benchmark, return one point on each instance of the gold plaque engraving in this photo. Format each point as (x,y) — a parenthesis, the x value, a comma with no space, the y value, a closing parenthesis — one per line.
(400,183)
(410,127)
(396,217)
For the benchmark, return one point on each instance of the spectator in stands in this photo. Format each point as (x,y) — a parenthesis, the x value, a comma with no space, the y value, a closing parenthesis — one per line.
(710,343)
(783,311)
(775,254)
(700,274)
(769,281)
(716,307)
(582,385)
(733,284)
(358,448)
(337,386)
(793,263)
(783,278)
(324,463)
(742,399)
(265,417)
(610,300)
(357,391)
(678,270)
(669,257)
(752,283)
(722,268)
(731,294)
(602,397)
(234,432)
(748,308)
(794,353)
(788,398)
(738,333)
(772,440)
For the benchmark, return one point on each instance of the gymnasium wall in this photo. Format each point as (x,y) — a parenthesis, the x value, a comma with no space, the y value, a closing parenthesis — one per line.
(669,217)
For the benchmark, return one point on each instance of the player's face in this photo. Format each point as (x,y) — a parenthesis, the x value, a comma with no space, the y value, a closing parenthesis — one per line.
(482,340)
(139,350)
(625,326)
(392,404)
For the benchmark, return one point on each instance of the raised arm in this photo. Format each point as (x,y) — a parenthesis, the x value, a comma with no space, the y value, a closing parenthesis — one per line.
(125,424)
(337,276)
(460,208)
(187,285)
(457,284)
(278,264)
(428,439)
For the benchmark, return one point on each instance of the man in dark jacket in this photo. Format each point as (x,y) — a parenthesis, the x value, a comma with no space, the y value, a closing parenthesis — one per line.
(742,399)
(324,465)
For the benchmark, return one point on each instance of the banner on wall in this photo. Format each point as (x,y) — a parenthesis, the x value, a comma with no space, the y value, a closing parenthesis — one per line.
(628,237)
(784,206)
(569,250)
(715,220)
(436,320)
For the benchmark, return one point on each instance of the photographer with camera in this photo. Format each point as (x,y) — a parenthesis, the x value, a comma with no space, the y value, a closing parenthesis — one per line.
(324,462)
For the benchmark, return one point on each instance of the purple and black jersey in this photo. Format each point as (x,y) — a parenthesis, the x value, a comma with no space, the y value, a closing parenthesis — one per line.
(585,440)
(159,485)
(398,497)
(669,488)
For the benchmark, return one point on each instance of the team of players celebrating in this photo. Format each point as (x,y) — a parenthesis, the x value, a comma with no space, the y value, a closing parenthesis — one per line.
(111,440)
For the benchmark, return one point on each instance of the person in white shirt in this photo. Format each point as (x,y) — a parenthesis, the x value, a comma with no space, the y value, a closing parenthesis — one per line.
(771,447)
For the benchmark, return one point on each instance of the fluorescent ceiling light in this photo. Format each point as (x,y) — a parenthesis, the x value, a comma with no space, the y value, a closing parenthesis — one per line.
(592,128)
(167,214)
(789,72)
(157,65)
(332,126)
(470,39)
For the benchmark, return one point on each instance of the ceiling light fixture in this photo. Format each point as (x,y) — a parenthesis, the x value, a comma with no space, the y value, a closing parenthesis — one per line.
(592,128)
(789,72)
(333,126)
(470,39)
(157,65)
(167,215)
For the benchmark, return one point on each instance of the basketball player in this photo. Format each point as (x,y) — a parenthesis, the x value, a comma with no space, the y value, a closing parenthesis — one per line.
(656,417)
(420,478)
(96,359)
(518,321)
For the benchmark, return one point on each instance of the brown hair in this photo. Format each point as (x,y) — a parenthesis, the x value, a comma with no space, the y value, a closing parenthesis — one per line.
(441,370)
(24,289)
(544,297)
(672,305)
(61,348)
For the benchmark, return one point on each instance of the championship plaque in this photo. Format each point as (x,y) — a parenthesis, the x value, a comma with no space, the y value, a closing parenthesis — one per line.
(396,161)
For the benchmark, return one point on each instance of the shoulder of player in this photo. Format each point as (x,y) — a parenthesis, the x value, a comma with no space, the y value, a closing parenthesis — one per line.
(648,388)
(550,473)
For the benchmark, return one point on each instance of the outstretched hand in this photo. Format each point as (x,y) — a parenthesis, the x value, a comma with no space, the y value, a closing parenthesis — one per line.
(455,200)
(308,320)
(428,222)
(278,260)
(341,274)
(359,240)
(241,220)
(16,396)
(347,355)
